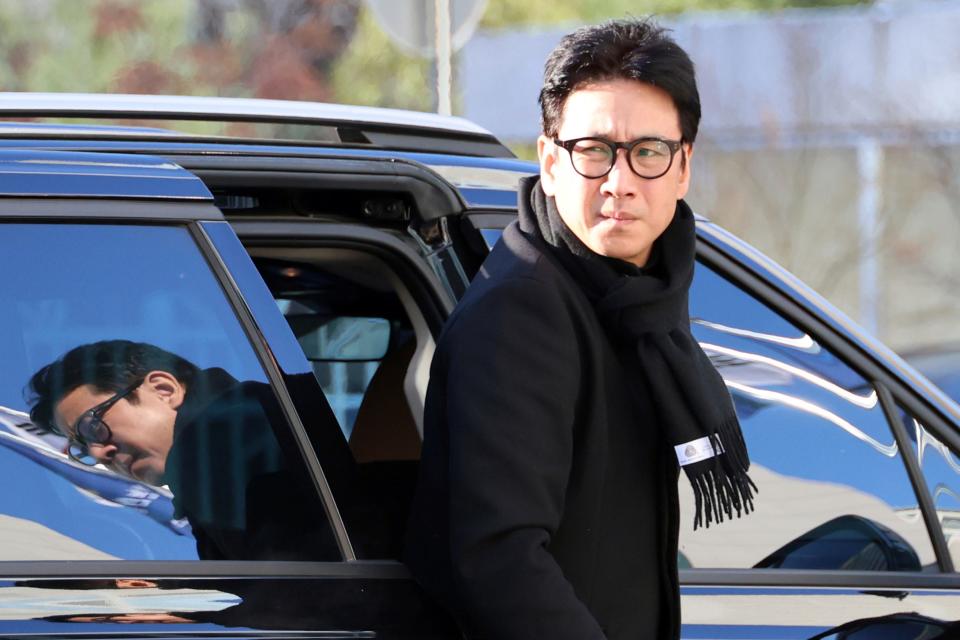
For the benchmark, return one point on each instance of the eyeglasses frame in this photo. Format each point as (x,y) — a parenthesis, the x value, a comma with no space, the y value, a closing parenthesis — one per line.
(97,412)
(673,145)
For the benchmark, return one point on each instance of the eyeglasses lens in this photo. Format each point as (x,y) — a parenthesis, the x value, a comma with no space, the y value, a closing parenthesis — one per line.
(90,428)
(650,158)
(81,453)
(592,158)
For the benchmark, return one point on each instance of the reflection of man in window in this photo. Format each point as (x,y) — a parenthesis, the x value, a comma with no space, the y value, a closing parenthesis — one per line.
(155,417)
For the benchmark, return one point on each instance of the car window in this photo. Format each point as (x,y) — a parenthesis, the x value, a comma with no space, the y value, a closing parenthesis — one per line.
(346,325)
(833,487)
(193,460)
(349,318)
(941,469)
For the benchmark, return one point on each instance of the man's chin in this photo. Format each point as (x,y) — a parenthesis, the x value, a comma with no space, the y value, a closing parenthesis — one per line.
(624,249)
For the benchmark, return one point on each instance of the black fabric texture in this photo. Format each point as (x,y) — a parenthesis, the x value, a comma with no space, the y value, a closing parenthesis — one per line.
(646,310)
(229,477)
(546,505)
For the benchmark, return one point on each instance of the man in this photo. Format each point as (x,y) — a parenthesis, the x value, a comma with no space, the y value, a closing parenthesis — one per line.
(155,417)
(566,386)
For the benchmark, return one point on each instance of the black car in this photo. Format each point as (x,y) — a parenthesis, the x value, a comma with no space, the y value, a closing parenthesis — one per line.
(317,250)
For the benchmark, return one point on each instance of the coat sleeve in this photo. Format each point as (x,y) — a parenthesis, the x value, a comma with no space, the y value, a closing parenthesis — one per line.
(513,375)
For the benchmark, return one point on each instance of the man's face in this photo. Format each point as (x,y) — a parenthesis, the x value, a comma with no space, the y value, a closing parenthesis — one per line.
(141,428)
(621,214)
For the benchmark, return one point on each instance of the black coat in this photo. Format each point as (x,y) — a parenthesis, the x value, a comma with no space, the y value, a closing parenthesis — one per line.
(231,480)
(547,503)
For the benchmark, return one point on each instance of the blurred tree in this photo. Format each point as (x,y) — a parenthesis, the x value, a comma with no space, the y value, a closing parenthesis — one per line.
(374,71)
(288,47)
(327,50)
(276,49)
(511,13)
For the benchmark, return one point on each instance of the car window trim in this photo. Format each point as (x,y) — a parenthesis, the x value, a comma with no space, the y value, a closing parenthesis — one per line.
(434,196)
(818,578)
(275,378)
(94,210)
(917,479)
(38,569)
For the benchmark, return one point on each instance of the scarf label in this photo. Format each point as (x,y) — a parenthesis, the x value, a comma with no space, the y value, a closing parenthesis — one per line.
(697,450)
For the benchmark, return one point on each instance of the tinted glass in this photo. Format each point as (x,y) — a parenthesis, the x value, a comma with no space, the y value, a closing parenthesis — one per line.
(941,469)
(199,462)
(819,442)
(369,399)
(345,324)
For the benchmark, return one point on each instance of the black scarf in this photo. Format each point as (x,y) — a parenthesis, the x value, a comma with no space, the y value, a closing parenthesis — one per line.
(646,310)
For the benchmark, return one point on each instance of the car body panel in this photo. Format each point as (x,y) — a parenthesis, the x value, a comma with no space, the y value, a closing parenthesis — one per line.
(788,612)
(345,606)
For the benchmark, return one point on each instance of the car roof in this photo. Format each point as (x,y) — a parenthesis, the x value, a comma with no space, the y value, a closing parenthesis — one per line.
(333,124)
(31,173)
(481,169)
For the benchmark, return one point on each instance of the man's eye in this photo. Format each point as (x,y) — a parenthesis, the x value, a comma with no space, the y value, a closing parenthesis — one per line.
(593,150)
(652,150)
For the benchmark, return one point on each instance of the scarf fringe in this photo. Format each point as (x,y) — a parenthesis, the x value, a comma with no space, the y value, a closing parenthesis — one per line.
(723,487)
(647,310)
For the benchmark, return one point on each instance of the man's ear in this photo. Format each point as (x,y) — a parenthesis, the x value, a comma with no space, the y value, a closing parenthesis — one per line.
(683,184)
(166,387)
(547,153)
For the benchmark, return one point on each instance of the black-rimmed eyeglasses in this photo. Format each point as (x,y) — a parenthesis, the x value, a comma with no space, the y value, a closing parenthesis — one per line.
(647,157)
(90,429)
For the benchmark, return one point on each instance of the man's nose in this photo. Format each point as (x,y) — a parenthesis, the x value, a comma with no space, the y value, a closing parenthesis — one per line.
(621,182)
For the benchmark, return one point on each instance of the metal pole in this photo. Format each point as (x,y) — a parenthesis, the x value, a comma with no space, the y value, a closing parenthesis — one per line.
(869,162)
(444,53)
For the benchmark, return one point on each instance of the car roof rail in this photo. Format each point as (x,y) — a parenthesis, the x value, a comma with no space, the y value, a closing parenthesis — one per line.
(349,125)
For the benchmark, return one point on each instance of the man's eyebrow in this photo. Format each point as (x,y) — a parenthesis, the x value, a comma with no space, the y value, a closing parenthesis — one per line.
(607,136)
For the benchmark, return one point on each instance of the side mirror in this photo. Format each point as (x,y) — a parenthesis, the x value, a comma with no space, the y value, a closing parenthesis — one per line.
(898,626)
(850,543)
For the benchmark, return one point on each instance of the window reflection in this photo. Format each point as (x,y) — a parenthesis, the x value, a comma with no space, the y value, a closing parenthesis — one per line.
(63,286)
(821,447)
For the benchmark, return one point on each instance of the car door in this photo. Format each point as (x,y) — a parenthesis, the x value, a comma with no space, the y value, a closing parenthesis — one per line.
(128,251)
(858,470)
(362,298)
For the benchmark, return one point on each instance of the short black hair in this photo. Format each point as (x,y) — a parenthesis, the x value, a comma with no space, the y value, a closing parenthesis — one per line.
(109,366)
(628,49)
